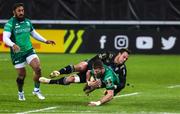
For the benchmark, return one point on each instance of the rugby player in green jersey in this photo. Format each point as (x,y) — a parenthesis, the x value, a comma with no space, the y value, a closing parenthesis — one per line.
(103,77)
(16,35)
(100,76)
(114,60)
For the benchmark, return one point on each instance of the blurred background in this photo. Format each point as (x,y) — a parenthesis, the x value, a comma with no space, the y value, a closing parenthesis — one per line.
(91,26)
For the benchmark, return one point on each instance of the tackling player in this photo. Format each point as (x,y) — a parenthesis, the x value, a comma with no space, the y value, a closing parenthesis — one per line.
(115,61)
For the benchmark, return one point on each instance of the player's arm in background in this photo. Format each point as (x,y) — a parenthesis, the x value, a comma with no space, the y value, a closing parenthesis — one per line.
(103,56)
(100,56)
(38,37)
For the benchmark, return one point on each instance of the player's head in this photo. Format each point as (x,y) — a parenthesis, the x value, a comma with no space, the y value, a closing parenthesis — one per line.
(98,68)
(122,56)
(18,11)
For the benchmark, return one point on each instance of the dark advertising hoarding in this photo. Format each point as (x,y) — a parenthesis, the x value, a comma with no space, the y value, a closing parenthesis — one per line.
(138,41)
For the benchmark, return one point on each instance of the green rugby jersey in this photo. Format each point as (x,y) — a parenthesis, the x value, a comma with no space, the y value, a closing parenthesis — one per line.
(109,78)
(20,32)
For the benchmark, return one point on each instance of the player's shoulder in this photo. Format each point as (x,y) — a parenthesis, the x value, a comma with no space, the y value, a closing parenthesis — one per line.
(10,21)
(122,66)
(9,24)
(106,54)
(27,20)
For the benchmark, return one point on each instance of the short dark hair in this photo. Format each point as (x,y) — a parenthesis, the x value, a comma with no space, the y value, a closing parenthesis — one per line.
(97,64)
(125,50)
(16,5)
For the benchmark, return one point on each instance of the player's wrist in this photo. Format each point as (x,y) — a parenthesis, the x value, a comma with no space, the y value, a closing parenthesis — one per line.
(98,103)
(88,83)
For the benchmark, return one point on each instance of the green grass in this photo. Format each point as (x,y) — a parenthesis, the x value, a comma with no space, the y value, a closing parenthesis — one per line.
(149,75)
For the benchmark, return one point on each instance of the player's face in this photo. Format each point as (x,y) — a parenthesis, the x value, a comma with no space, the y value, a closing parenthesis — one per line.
(98,72)
(123,57)
(19,12)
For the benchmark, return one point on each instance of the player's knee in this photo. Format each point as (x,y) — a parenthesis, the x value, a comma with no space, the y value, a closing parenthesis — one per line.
(81,66)
(37,71)
(70,79)
(21,74)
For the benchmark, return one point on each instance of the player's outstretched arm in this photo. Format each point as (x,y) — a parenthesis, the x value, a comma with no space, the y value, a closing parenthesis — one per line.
(108,97)
(38,37)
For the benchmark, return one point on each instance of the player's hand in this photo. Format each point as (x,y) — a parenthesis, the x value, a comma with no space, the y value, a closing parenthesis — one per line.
(16,48)
(54,74)
(50,42)
(95,84)
(94,103)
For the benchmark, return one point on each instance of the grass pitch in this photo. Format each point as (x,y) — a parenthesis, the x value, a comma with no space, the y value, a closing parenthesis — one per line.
(154,87)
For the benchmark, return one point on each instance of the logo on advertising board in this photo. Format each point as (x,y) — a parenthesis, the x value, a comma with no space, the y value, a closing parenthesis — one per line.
(169,43)
(144,42)
(121,41)
(102,41)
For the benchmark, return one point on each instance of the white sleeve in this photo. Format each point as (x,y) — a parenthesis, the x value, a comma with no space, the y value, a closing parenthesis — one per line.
(37,36)
(6,38)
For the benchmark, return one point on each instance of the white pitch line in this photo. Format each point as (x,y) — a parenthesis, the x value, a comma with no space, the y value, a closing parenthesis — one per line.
(174,86)
(38,110)
(125,95)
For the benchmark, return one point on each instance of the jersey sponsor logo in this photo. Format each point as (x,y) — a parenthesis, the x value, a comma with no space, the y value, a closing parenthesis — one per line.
(116,69)
(16,61)
(17,26)
(17,31)
(109,82)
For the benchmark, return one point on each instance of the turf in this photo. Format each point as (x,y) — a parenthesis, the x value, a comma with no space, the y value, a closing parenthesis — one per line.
(148,75)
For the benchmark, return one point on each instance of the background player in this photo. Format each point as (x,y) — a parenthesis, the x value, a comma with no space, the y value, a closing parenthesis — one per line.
(16,35)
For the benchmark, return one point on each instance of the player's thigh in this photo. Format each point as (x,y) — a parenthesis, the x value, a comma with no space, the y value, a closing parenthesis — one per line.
(21,72)
(80,67)
(33,61)
(82,77)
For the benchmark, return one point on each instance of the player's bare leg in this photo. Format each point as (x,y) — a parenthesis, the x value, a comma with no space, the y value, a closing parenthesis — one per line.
(35,64)
(74,78)
(20,82)
(80,67)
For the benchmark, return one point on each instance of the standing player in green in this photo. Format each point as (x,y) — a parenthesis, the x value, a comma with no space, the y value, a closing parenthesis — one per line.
(16,35)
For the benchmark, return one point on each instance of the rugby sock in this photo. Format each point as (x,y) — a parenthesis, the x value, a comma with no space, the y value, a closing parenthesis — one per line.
(67,70)
(36,84)
(36,89)
(20,83)
(60,81)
